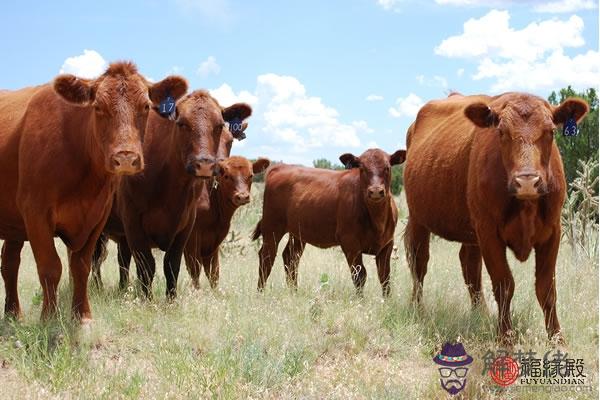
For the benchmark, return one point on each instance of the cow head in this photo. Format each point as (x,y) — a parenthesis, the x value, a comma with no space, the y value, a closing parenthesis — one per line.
(235,178)
(202,127)
(525,127)
(375,167)
(121,99)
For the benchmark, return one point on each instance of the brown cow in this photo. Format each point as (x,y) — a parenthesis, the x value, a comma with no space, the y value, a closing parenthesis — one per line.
(486,172)
(158,208)
(62,147)
(213,215)
(353,209)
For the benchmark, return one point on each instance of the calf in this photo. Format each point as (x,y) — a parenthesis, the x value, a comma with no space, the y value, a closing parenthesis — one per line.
(230,191)
(157,208)
(486,172)
(62,148)
(353,209)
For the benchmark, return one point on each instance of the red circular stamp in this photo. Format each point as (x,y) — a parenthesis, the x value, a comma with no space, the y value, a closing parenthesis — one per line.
(504,371)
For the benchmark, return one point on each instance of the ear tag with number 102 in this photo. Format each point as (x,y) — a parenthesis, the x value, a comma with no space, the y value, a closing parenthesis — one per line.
(167,107)
(570,127)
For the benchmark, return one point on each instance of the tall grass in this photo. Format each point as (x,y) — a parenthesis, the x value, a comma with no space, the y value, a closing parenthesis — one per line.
(319,342)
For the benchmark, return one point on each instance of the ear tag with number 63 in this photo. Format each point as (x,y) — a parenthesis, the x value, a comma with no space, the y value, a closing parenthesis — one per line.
(570,127)
(167,107)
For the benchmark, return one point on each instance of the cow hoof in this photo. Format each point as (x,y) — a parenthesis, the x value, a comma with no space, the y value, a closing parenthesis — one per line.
(557,340)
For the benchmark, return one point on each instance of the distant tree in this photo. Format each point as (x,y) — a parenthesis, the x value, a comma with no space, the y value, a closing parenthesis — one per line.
(584,146)
(326,164)
(396,184)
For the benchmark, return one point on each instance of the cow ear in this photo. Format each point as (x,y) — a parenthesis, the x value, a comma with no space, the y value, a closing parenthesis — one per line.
(235,114)
(570,108)
(74,90)
(398,157)
(350,161)
(481,115)
(260,165)
(173,85)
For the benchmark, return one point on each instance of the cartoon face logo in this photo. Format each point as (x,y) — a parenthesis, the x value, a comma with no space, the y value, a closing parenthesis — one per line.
(453,360)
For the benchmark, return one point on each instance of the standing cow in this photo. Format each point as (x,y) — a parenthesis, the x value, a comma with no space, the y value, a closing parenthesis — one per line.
(486,172)
(213,215)
(353,209)
(158,208)
(62,147)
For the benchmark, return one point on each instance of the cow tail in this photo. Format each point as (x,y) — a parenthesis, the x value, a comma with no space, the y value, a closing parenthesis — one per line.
(257,231)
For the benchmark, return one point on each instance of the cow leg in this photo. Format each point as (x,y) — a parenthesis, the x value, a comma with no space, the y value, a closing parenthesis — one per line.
(503,284)
(49,267)
(291,258)
(145,266)
(383,268)
(545,283)
(357,269)
(11,259)
(193,264)
(470,261)
(80,265)
(172,261)
(100,254)
(266,255)
(416,246)
(212,268)
(124,260)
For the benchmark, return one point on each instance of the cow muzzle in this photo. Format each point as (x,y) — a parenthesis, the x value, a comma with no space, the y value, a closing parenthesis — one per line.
(126,163)
(376,193)
(527,186)
(241,198)
(203,167)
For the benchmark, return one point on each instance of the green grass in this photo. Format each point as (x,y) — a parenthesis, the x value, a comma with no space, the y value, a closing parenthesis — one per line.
(319,342)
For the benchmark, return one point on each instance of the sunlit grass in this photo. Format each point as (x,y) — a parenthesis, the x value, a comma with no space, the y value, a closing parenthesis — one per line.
(319,342)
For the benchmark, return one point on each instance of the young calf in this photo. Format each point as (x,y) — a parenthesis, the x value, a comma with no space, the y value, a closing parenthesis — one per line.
(353,209)
(214,213)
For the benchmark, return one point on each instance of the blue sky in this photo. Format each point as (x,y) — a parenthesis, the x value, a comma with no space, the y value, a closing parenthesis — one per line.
(323,77)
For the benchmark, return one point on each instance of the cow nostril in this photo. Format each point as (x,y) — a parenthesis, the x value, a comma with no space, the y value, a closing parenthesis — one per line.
(381,192)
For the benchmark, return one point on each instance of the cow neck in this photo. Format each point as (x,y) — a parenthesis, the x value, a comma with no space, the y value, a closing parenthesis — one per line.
(379,214)
(221,204)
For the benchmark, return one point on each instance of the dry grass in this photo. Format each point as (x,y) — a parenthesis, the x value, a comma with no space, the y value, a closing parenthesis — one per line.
(321,342)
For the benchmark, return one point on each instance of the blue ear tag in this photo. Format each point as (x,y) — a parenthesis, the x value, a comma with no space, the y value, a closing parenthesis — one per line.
(570,127)
(166,107)
(236,127)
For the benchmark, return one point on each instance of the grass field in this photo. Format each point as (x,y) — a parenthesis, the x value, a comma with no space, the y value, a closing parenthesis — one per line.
(320,342)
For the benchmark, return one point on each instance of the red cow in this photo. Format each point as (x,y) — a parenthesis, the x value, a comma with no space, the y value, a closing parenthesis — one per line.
(157,208)
(231,190)
(486,172)
(353,209)
(62,147)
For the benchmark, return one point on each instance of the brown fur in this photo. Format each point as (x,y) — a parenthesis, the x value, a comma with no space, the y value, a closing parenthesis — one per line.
(233,182)
(331,208)
(158,208)
(58,144)
(465,156)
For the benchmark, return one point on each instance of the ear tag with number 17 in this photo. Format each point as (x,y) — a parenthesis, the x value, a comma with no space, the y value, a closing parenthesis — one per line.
(167,108)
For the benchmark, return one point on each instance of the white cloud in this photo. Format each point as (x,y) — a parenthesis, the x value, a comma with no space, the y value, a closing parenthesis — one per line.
(88,65)
(226,96)
(530,58)
(565,6)
(294,118)
(390,5)
(460,72)
(374,97)
(406,106)
(489,3)
(208,67)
